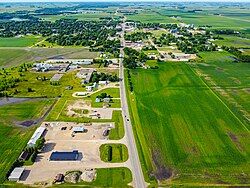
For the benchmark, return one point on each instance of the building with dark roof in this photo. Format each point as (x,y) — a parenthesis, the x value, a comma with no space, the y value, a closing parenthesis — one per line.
(64,155)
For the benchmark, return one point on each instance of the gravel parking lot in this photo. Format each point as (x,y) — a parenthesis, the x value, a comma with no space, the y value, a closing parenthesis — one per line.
(87,143)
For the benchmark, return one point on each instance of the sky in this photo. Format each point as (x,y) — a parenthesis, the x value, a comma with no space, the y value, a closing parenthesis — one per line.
(122,0)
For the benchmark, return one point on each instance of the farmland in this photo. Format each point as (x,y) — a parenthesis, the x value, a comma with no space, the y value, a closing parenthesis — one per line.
(84,16)
(10,56)
(13,138)
(232,78)
(19,41)
(151,17)
(182,118)
(235,41)
(206,18)
(174,138)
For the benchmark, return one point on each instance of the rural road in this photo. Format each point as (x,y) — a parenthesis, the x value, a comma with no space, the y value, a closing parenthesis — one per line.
(138,178)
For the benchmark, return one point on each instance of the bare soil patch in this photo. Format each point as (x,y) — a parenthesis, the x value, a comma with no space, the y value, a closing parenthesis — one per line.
(162,172)
(235,140)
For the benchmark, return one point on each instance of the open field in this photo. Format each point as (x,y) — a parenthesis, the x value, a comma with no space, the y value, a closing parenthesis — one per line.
(206,18)
(41,88)
(108,177)
(214,21)
(19,41)
(229,79)
(113,92)
(83,16)
(183,128)
(223,69)
(11,56)
(113,153)
(12,138)
(234,41)
(151,17)
(246,51)
(118,132)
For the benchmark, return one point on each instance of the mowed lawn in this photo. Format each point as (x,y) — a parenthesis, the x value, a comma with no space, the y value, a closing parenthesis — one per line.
(184,131)
(19,41)
(12,138)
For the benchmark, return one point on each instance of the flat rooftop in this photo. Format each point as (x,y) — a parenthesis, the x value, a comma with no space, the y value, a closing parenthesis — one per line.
(64,155)
(16,173)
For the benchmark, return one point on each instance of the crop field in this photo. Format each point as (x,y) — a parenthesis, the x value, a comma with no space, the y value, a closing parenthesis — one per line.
(206,18)
(84,16)
(215,21)
(232,77)
(183,128)
(20,41)
(223,69)
(13,138)
(10,56)
(246,51)
(234,41)
(151,17)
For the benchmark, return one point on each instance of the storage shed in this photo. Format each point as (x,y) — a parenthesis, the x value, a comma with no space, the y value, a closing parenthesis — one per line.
(37,134)
(16,174)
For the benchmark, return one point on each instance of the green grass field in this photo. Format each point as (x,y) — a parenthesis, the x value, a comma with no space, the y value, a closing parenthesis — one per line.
(10,56)
(184,131)
(151,17)
(214,21)
(19,42)
(113,92)
(113,153)
(232,78)
(118,132)
(106,177)
(84,16)
(13,138)
(234,41)
(223,69)
(206,18)
(40,88)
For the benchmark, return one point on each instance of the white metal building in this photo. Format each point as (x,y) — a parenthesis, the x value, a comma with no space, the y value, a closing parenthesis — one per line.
(16,174)
(37,134)
(78,129)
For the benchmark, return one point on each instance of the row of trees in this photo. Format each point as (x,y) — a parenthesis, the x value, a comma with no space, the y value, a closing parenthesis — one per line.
(103,62)
(96,77)
(241,57)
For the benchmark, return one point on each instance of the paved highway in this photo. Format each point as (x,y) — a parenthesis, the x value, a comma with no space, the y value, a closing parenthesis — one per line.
(138,178)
